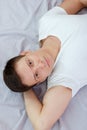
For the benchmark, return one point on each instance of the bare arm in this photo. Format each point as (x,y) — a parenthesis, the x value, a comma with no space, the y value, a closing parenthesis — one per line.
(44,115)
(73,6)
(84,2)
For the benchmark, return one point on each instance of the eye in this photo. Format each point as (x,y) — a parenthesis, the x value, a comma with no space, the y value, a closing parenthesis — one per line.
(30,63)
(36,76)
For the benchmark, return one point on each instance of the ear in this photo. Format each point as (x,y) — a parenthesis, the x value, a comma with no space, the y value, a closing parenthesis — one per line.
(24,52)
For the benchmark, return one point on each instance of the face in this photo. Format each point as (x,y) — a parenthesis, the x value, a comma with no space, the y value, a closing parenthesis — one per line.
(34,67)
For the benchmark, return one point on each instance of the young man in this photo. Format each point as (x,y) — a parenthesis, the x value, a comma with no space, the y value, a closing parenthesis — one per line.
(61,59)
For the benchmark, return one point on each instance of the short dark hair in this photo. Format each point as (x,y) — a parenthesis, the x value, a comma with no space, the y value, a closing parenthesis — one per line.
(11,78)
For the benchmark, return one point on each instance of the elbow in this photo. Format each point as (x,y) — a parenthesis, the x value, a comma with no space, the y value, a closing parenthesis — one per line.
(41,126)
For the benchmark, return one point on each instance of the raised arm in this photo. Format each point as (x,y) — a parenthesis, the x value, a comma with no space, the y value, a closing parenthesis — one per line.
(73,6)
(44,115)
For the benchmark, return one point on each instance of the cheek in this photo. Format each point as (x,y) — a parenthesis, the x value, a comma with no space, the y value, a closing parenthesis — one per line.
(45,75)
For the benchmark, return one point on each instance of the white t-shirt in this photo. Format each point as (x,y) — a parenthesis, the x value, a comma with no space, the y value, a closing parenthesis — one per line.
(70,69)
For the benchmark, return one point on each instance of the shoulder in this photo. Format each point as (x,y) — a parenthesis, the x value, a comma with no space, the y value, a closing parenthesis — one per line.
(53,12)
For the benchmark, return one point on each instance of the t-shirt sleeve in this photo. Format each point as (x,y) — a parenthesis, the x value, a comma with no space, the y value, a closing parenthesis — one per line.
(57,22)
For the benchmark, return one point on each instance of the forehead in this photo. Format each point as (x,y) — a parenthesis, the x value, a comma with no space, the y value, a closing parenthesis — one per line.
(24,72)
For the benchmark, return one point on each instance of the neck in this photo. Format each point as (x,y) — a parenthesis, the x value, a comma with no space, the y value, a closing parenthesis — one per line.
(51,45)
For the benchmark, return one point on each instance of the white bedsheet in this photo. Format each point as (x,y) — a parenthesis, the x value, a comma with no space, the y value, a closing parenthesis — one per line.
(18,31)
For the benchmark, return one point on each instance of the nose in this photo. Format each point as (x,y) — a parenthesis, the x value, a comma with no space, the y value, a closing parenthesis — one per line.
(39,65)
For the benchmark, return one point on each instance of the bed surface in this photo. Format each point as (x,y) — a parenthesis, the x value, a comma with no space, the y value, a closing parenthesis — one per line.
(19,31)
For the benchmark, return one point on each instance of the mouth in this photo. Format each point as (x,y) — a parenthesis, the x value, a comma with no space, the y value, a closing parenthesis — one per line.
(47,62)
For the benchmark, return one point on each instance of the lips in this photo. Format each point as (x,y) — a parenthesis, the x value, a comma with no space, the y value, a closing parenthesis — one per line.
(47,61)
